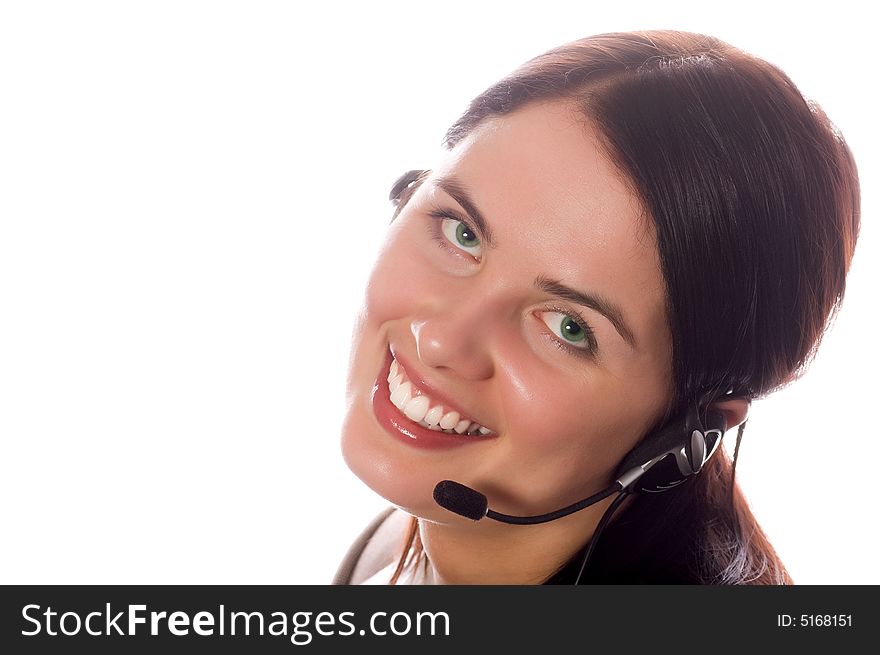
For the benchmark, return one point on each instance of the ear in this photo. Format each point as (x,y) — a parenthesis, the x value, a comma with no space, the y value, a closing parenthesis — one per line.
(736,410)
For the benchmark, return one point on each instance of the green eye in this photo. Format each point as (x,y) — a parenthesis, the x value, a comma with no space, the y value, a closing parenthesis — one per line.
(465,236)
(461,235)
(572,332)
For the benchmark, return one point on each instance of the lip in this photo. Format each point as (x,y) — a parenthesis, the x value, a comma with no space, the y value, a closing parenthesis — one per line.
(396,424)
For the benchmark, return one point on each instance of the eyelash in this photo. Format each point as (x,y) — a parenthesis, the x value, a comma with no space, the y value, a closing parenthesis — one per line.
(438,236)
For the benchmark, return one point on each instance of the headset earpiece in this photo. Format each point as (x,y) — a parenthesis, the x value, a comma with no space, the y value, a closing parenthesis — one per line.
(670,455)
(402,183)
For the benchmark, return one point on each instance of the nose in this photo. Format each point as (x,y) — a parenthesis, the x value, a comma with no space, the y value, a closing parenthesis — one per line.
(456,340)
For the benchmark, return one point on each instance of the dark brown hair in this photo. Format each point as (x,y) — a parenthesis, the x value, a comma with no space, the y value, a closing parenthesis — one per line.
(754,198)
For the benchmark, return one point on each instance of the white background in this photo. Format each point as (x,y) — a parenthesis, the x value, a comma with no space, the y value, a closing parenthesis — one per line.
(191,198)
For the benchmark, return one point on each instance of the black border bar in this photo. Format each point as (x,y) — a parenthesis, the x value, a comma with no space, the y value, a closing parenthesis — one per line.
(516,618)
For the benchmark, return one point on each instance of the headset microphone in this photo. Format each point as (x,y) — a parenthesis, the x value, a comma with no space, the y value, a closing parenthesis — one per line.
(662,461)
(471,504)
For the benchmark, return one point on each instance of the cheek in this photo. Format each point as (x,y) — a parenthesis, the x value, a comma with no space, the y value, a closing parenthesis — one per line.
(569,430)
(401,278)
(564,424)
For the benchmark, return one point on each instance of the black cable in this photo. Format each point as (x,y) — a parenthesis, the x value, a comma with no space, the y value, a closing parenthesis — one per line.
(606,517)
(552,516)
(736,526)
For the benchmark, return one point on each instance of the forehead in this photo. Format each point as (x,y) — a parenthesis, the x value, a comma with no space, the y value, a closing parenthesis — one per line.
(545,163)
(545,185)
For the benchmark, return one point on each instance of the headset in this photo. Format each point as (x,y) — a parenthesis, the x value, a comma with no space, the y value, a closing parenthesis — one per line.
(662,460)
(402,183)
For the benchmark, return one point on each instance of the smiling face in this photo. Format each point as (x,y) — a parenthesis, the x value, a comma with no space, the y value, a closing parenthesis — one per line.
(545,325)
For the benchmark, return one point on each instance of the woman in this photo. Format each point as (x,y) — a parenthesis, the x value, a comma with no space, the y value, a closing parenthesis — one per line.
(627,228)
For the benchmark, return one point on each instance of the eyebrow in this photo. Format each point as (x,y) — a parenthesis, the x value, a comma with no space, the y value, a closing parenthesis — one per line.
(461,195)
(605,307)
(459,192)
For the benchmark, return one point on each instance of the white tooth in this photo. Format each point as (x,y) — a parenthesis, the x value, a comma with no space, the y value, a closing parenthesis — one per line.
(417,407)
(394,368)
(434,427)
(462,426)
(391,376)
(474,427)
(395,382)
(449,420)
(434,415)
(484,430)
(401,395)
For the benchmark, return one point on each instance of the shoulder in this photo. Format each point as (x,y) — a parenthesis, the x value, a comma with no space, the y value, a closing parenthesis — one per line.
(378,545)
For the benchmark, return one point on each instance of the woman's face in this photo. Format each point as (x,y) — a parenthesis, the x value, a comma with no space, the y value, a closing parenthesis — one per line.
(542,321)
